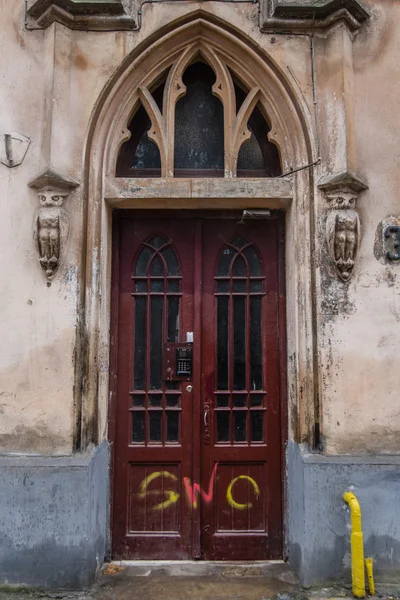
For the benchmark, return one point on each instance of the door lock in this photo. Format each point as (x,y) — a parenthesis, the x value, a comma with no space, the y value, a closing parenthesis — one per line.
(189,388)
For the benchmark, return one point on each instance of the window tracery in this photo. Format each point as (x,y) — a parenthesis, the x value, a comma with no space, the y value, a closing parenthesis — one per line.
(199,122)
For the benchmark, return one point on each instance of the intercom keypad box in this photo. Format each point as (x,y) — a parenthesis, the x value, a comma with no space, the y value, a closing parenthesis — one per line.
(178,362)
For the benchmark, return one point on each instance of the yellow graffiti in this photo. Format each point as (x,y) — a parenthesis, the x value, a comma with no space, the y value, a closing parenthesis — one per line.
(171,496)
(229,495)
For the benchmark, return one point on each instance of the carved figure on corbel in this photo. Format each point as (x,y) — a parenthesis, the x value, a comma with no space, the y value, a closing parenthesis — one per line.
(343,226)
(51,222)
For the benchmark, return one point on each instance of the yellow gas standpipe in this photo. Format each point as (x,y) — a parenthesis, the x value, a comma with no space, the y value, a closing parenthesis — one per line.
(357,546)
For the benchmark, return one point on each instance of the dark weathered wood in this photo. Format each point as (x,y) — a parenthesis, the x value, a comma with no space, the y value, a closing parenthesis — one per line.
(217,501)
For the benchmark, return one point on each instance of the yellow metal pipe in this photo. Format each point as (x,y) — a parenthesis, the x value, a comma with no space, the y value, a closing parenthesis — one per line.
(369,564)
(357,546)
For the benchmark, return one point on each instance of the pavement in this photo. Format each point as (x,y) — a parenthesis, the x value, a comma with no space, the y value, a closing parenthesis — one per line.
(192,581)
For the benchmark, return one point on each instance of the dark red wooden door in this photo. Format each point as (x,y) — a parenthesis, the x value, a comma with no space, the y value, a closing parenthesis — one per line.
(197,466)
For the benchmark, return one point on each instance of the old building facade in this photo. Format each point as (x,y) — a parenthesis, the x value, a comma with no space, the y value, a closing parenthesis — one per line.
(200,290)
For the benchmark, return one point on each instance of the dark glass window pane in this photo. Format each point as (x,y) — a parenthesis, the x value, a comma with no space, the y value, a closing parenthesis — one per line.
(223,426)
(239,426)
(199,122)
(239,342)
(253,261)
(240,286)
(139,152)
(137,427)
(223,286)
(255,343)
(172,261)
(158,242)
(258,154)
(173,286)
(157,267)
(173,399)
(222,400)
(141,286)
(138,400)
(256,399)
(157,285)
(239,399)
(139,362)
(172,426)
(156,341)
(250,155)
(155,399)
(239,267)
(222,342)
(172,385)
(143,261)
(225,261)
(257,429)
(255,286)
(155,426)
(173,318)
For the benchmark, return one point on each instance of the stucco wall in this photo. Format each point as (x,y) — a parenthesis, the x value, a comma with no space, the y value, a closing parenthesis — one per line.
(51,83)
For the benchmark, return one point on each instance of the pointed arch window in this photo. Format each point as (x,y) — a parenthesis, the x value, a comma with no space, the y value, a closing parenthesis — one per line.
(200,121)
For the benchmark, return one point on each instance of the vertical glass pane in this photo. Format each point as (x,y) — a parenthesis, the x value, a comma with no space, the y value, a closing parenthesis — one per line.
(257,429)
(239,343)
(172,261)
(173,399)
(137,427)
(143,261)
(173,285)
(172,426)
(223,286)
(223,426)
(222,342)
(225,261)
(199,122)
(239,426)
(255,286)
(240,285)
(139,363)
(155,399)
(254,262)
(222,400)
(255,343)
(157,267)
(239,399)
(141,286)
(155,426)
(173,318)
(138,400)
(156,339)
(157,285)
(239,267)
(256,399)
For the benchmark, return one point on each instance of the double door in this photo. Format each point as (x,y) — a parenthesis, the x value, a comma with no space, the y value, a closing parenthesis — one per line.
(196,385)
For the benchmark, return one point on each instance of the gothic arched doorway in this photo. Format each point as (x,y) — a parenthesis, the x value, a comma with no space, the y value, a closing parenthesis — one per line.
(197,417)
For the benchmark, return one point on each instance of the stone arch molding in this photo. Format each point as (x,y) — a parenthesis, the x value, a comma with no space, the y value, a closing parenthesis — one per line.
(291,123)
(225,53)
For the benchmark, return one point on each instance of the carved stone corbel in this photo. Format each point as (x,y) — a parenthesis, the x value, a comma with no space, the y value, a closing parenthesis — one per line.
(51,221)
(343,226)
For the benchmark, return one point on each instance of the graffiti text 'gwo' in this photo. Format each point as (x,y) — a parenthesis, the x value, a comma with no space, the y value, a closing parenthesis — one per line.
(193,492)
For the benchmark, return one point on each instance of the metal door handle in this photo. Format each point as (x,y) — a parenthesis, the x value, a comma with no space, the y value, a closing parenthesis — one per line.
(206,417)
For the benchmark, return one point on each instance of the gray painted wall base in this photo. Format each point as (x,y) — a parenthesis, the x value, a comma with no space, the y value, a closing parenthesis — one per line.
(54,518)
(318,521)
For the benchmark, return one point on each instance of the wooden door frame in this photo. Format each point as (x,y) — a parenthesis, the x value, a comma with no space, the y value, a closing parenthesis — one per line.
(139,214)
